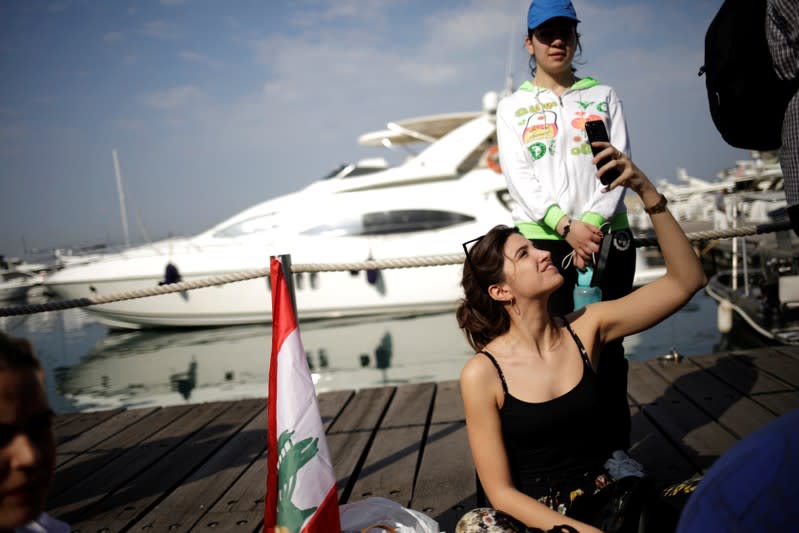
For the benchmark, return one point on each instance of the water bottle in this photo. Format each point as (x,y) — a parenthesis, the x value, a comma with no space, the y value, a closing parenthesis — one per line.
(584,293)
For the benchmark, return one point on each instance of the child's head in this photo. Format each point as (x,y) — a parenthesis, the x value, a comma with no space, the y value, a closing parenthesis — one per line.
(548,22)
(27,445)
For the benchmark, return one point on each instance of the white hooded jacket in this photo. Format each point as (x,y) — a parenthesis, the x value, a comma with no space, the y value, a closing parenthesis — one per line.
(546,158)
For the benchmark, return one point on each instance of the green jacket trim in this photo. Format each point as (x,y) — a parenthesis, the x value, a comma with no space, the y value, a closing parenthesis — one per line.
(583,83)
(536,231)
(553,216)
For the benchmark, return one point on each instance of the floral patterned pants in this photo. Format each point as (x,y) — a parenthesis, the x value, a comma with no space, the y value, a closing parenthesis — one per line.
(606,505)
(487,520)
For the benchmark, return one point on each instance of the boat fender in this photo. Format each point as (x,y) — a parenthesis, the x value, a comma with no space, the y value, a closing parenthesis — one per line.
(492,159)
(371,275)
(724,316)
(171,275)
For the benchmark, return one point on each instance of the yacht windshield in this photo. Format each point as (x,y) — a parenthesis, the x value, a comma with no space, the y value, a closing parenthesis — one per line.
(363,167)
(389,222)
(333,173)
(249,226)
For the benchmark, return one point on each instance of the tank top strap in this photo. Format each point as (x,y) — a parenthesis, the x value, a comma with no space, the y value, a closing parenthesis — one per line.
(583,352)
(499,370)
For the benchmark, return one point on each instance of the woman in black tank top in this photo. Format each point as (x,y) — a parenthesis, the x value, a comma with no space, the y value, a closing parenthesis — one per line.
(530,392)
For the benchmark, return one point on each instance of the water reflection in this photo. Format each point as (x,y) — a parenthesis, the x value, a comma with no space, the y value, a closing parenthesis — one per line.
(165,367)
(87,367)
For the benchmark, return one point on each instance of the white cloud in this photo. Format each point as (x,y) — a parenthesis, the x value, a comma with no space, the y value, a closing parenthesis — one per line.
(131,124)
(12,135)
(446,51)
(113,37)
(194,57)
(428,74)
(160,29)
(175,98)
(352,12)
(58,7)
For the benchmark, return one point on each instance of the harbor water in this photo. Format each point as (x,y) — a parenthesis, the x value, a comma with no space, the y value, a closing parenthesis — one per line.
(88,367)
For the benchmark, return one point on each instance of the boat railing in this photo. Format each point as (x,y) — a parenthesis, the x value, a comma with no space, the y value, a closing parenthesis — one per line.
(372,264)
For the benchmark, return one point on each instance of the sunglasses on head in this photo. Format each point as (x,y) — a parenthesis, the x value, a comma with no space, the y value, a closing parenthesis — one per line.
(467,248)
(469,245)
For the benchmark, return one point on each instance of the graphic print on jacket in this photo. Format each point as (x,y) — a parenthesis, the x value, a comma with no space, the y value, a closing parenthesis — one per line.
(541,127)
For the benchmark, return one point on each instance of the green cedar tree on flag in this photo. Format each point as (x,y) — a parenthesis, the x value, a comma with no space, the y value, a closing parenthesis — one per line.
(301,495)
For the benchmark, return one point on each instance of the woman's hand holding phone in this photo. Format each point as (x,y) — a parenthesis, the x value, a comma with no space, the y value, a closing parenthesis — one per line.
(597,133)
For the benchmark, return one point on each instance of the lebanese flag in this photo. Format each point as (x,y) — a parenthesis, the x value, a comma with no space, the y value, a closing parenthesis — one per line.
(301,494)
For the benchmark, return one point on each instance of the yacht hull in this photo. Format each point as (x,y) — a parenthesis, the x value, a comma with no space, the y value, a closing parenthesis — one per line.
(319,296)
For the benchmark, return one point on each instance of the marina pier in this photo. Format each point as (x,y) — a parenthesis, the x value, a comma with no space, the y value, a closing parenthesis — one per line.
(202,467)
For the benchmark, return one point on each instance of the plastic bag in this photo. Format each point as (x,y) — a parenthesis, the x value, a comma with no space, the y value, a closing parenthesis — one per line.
(381,514)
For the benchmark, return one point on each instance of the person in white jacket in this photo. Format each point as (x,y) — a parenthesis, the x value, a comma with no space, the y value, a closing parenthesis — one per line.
(560,204)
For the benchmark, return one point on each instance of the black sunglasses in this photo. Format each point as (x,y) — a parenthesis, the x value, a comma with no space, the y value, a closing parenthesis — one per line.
(549,32)
(467,248)
(470,244)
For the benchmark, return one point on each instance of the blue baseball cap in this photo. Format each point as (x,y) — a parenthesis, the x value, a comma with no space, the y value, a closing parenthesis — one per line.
(542,10)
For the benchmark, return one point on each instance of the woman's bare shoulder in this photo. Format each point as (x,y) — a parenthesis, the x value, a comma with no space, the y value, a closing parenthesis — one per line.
(480,383)
(585,319)
(478,370)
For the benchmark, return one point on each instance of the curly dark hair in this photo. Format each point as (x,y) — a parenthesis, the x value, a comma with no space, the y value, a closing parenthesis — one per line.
(481,317)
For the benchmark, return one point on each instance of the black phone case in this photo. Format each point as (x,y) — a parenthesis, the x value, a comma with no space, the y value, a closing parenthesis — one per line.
(595,129)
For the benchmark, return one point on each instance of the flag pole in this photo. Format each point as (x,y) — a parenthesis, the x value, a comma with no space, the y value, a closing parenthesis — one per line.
(285,260)
(294,424)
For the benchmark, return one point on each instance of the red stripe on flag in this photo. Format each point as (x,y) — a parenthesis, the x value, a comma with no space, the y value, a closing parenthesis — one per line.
(326,519)
(283,319)
(283,323)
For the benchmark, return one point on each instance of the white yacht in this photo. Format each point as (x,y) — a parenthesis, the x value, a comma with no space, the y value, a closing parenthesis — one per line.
(449,193)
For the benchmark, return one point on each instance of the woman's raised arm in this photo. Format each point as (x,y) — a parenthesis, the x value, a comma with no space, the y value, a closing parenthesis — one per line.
(684,276)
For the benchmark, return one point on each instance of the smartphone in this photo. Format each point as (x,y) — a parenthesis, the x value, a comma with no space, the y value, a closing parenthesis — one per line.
(596,132)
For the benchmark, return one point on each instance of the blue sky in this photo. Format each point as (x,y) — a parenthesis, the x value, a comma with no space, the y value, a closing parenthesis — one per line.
(215,106)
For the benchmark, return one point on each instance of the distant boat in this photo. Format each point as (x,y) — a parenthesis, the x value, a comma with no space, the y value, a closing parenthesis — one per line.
(748,192)
(448,193)
(18,277)
(762,290)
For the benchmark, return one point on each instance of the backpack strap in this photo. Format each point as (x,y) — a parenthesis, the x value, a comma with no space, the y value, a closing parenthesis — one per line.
(499,370)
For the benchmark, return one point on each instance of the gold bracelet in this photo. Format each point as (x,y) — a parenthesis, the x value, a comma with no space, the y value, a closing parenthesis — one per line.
(659,207)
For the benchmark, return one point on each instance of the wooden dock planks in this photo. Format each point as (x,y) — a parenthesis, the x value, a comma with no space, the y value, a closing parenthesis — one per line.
(390,466)
(446,483)
(202,467)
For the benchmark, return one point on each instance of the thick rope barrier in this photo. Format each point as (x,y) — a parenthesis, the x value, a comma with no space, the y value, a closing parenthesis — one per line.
(211,281)
(375,264)
(723,233)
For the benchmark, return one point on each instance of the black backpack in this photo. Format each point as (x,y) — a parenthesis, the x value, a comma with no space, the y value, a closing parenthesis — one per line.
(747,99)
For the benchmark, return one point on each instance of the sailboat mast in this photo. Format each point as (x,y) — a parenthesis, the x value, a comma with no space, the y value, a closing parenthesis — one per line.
(513,41)
(508,89)
(121,194)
